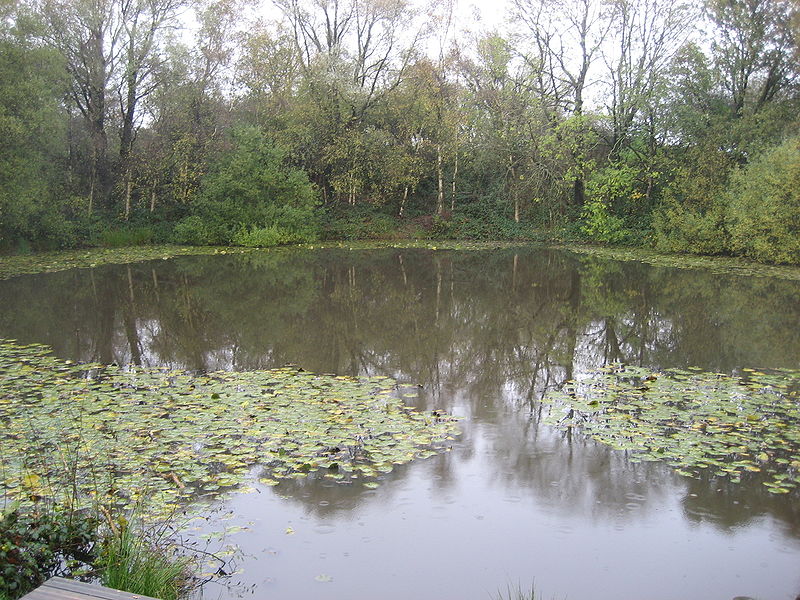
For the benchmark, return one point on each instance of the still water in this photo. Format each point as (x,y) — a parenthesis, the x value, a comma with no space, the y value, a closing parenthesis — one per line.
(483,334)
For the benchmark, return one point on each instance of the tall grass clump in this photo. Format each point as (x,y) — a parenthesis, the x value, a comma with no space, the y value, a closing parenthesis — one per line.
(143,562)
(516,592)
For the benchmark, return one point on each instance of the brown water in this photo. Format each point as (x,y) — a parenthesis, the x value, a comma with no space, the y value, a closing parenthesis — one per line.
(483,333)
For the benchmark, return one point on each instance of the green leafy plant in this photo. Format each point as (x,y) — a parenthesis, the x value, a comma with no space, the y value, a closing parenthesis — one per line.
(607,188)
(763,212)
(42,542)
(250,188)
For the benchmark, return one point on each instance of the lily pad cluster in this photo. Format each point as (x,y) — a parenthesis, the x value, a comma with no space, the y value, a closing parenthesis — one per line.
(50,262)
(720,265)
(115,436)
(694,420)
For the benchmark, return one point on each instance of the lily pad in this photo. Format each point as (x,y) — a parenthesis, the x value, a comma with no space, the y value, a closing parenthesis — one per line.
(99,434)
(695,421)
(49,262)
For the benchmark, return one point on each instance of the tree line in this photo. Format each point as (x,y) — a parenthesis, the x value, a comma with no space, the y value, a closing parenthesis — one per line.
(649,122)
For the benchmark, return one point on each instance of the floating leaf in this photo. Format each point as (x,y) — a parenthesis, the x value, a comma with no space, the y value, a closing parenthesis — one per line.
(171,437)
(691,419)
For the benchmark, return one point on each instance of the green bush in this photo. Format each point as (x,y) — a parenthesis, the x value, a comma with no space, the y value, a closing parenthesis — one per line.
(681,228)
(478,222)
(692,216)
(194,230)
(763,213)
(250,189)
(599,225)
(125,236)
(363,222)
(609,187)
(265,237)
(37,545)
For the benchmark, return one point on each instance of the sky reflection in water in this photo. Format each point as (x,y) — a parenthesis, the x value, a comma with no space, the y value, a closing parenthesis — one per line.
(483,333)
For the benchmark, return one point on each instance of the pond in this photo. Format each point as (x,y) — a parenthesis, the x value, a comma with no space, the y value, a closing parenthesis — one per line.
(481,335)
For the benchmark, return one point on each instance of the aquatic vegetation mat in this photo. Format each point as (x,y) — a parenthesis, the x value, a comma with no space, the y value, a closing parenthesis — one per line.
(51,262)
(419,244)
(694,420)
(114,436)
(719,265)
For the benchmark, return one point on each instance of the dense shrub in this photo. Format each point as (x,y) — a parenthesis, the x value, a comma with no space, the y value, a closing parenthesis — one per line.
(37,545)
(692,216)
(46,541)
(360,222)
(473,227)
(125,236)
(684,228)
(251,189)
(606,189)
(194,230)
(274,235)
(763,213)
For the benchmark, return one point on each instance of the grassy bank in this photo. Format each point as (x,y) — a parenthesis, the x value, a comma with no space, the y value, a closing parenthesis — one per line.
(49,540)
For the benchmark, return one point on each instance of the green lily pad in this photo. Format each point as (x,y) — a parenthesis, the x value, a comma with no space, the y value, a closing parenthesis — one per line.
(119,437)
(693,420)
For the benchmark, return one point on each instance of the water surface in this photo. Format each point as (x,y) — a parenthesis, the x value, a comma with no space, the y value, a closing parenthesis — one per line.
(484,334)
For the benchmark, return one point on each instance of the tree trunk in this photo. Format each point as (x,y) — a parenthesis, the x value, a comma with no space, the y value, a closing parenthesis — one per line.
(100,186)
(403,202)
(128,189)
(440,195)
(95,114)
(453,191)
(578,192)
(153,197)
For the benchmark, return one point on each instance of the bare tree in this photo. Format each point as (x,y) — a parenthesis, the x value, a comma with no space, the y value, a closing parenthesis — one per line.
(647,34)
(88,33)
(144,21)
(109,46)
(565,38)
(365,42)
(754,48)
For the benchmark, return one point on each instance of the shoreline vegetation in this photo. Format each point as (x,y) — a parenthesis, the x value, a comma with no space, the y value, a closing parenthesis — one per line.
(52,539)
(664,125)
(50,262)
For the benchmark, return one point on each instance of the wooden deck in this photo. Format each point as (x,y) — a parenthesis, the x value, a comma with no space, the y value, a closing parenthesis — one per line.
(58,588)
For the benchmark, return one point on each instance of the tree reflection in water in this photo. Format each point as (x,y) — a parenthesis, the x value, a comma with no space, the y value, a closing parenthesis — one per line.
(483,333)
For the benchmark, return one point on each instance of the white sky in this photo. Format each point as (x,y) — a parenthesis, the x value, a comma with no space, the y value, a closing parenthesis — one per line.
(492,13)
(470,14)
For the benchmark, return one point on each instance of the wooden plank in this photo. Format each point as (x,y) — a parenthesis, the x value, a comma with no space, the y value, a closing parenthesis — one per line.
(59,588)
(45,593)
(95,591)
